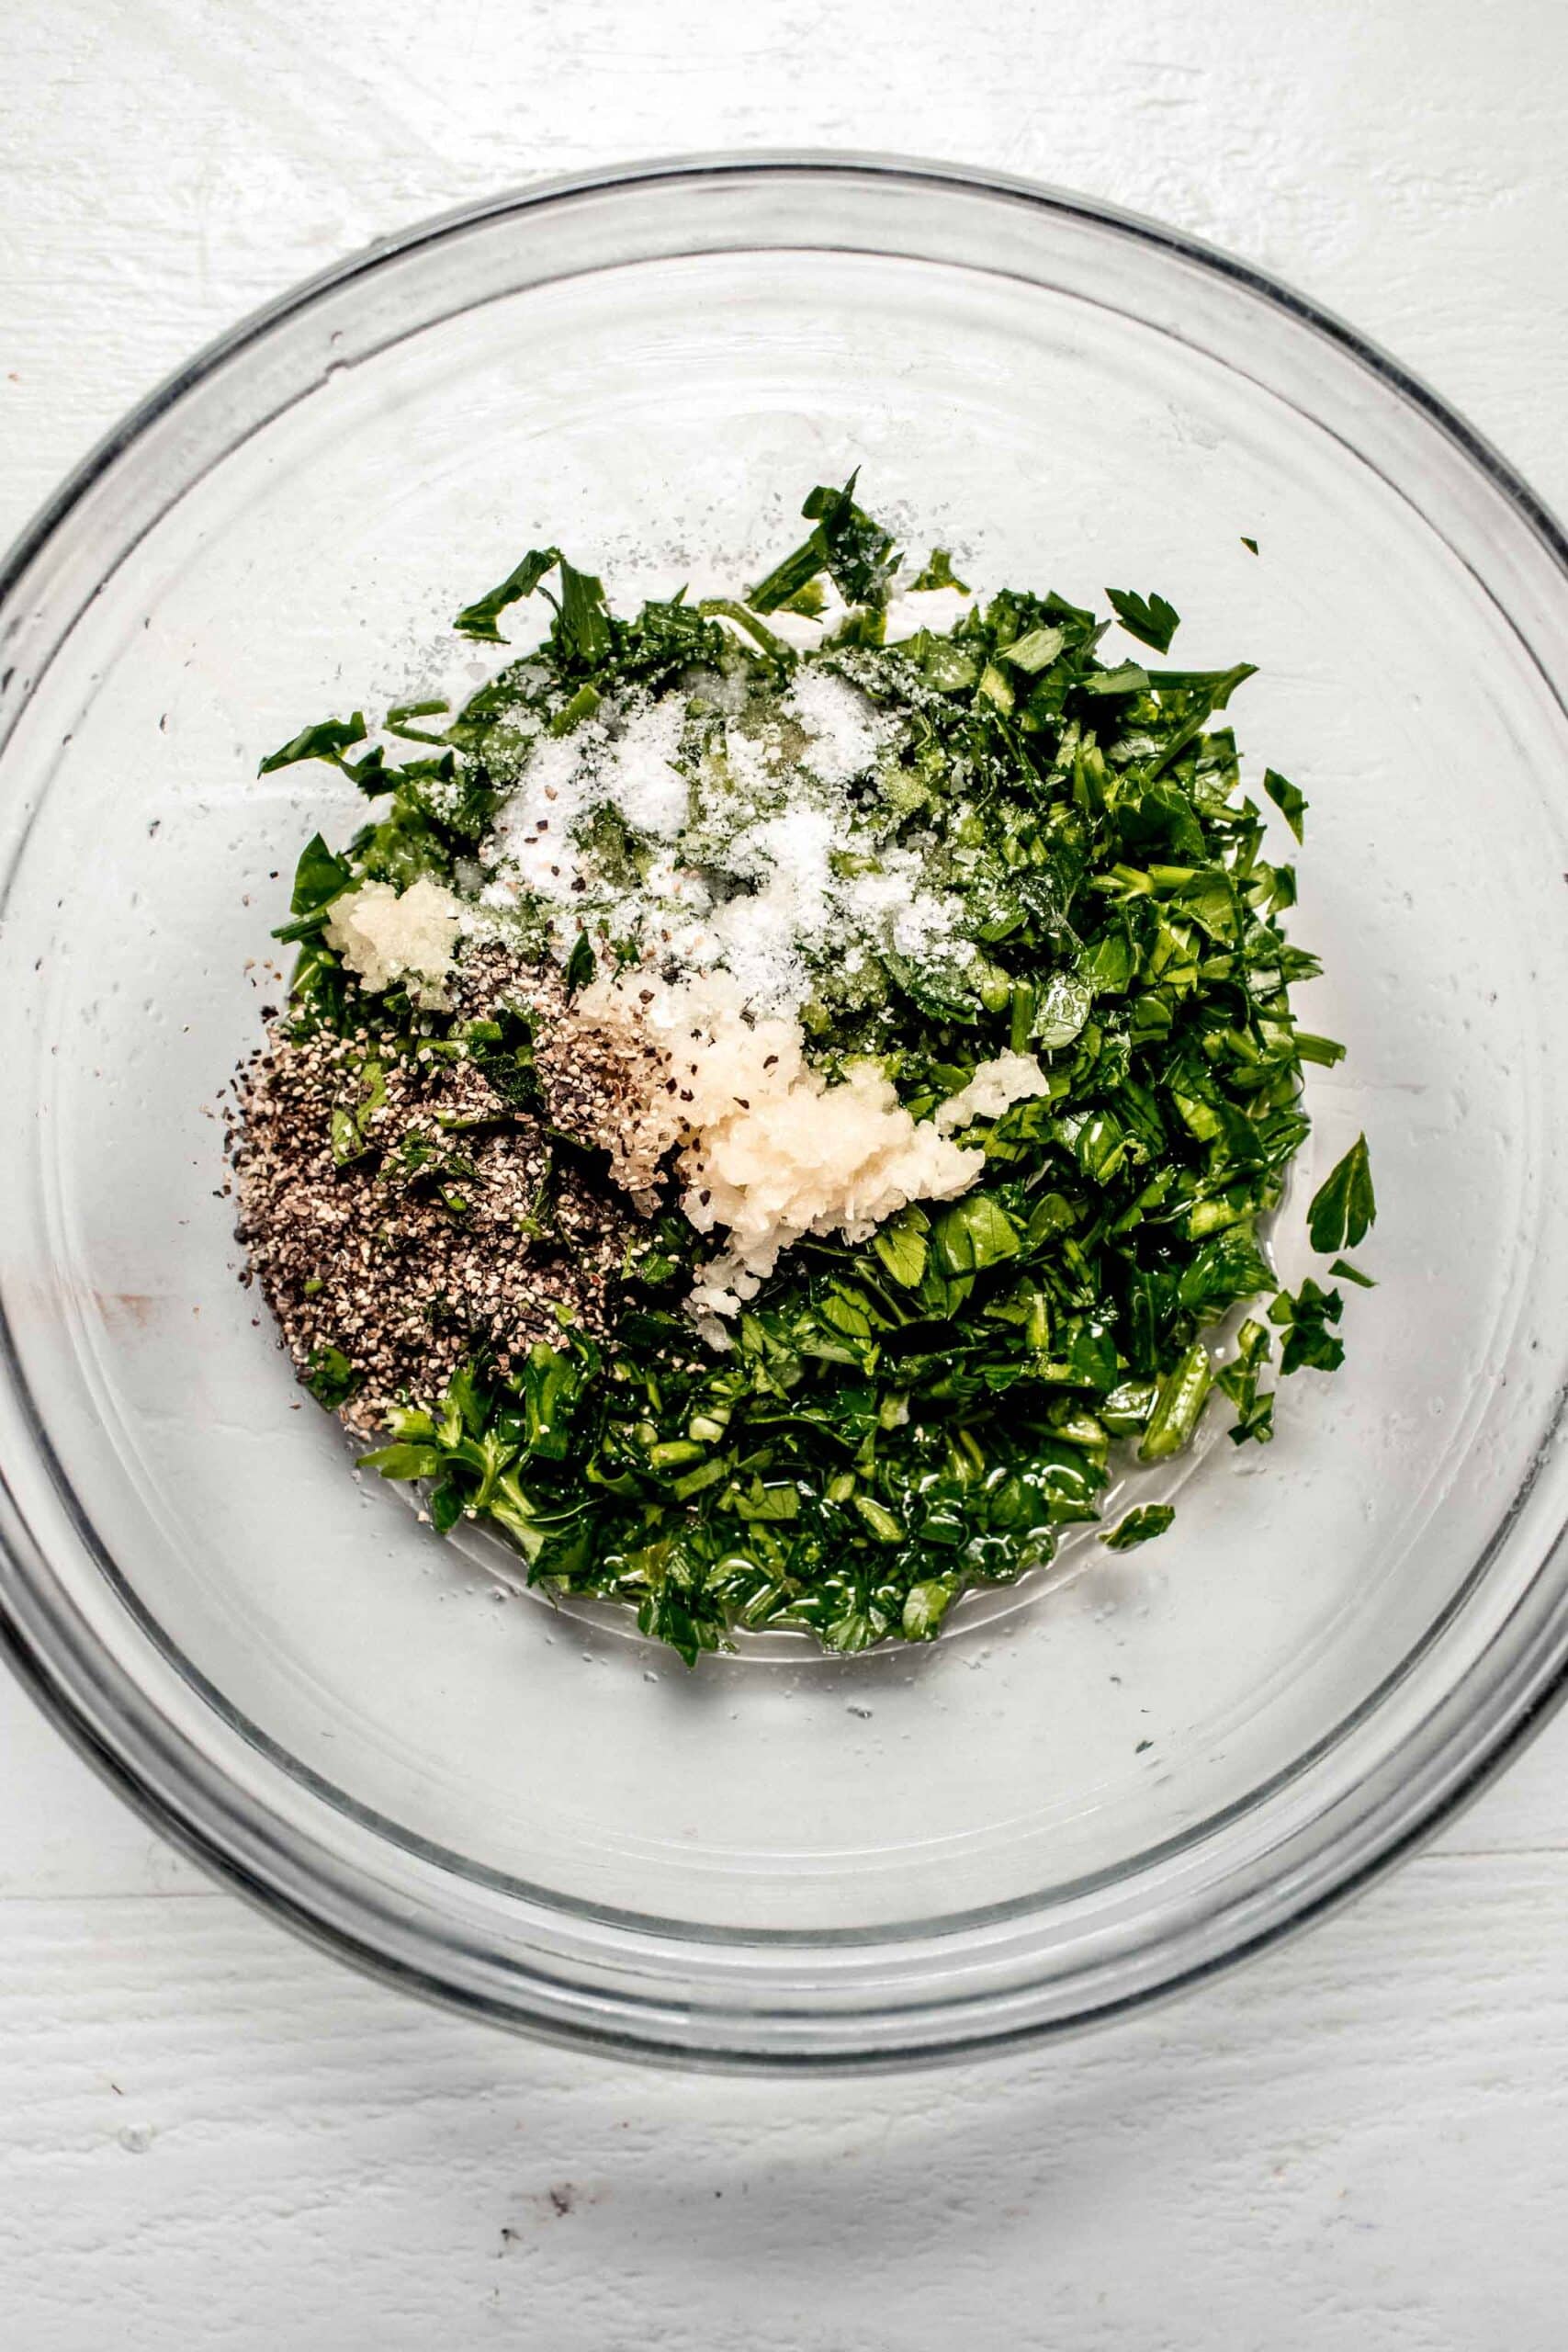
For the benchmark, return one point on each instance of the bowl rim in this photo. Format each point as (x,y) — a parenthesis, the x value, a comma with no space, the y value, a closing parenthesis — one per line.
(1390,1840)
(737,164)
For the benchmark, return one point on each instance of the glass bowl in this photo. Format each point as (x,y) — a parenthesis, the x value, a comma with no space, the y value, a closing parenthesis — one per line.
(1079,1797)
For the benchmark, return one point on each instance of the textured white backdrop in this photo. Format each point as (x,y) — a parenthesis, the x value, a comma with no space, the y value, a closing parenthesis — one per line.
(208,2136)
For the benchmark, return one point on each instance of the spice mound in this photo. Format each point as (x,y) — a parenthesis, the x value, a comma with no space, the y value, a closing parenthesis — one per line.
(401,1216)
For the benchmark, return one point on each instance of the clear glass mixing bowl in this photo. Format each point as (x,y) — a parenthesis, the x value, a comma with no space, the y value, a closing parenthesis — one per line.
(1079,1798)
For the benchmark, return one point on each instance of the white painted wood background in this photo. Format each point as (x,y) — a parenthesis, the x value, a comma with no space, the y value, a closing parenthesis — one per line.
(209,2135)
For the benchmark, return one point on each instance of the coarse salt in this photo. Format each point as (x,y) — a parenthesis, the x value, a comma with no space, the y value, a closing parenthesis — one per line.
(639,776)
(845,732)
(773,851)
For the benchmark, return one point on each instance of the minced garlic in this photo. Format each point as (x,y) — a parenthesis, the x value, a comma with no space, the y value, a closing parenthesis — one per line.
(769,1150)
(384,938)
(995,1088)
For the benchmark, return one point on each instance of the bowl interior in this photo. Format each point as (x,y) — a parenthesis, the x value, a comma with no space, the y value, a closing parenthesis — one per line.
(661,420)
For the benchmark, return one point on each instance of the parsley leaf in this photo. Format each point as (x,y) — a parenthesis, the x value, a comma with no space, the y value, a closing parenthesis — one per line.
(1150,619)
(319,880)
(582,629)
(937,573)
(1343,1208)
(328,740)
(1221,1270)
(1305,1319)
(479,619)
(857,554)
(1139,1526)
(330,1377)
(1240,1378)
(1039,649)
(901,1245)
(1286,798)
(580,964)
(974,1233)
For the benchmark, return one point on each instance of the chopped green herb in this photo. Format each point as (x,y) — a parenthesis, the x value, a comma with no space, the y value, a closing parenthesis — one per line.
(328,740)
(1239,1379)
(1178,1405)
(319,880)
(1148,619)
(937,573)
(582,627)
(725,608)
(1305,1319)
(1139,1526)
(331,1377)
(580,964)
(401,713)
(1326,1051)
(857,554)
(479,619)
(1342,1208)
(1039,649)
(1286,798)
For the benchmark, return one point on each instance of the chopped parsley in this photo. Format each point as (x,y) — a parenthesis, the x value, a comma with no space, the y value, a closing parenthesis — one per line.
(899,1416)
(1139,1526)
(1342,1208)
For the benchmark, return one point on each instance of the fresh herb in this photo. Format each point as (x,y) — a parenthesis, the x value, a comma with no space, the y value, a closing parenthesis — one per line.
(580,964)
(1139,1526)
(1325,1051)
(1148,619)
(725,608)
(1342,1208)
(582,635)
(1178,1405)
(328,740)
(401,713)
(330,1377)
(857,554)
(811,602)
(320,878)
(937,572)
(1290,804)
(1041,647)
(582,625)
(501,1047)
(1240,1381)
(1305,1319)
(479,619)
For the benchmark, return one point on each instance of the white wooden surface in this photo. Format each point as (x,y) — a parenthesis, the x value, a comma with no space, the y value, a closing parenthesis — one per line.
(209,2135)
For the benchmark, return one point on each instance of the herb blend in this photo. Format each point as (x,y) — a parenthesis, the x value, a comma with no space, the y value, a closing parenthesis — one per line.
(784,1095)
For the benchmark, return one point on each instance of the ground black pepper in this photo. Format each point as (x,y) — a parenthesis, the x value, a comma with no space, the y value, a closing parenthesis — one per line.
(458,1230)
